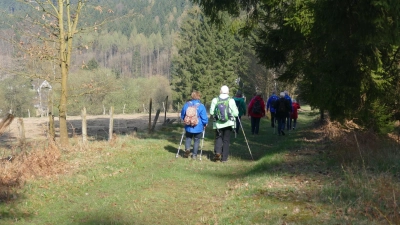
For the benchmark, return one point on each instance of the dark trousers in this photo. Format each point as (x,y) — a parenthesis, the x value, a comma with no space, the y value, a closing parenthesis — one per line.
(222,139)
(273,119)
(238,120)
(255,125)
(281,124)
(293,123)
(288,121)
(188,142)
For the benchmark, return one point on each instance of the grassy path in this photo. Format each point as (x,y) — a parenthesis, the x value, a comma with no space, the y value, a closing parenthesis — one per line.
(139,181)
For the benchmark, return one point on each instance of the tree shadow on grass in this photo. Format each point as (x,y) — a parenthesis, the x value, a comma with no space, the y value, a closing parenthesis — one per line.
(205,154)
(240,146)
(8,199)
(106,217)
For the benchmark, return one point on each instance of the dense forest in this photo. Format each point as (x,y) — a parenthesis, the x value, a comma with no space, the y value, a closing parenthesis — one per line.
(144,53)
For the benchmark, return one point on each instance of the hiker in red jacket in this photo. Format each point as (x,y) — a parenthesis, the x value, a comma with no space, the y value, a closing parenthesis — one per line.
(256,110)
(294,114)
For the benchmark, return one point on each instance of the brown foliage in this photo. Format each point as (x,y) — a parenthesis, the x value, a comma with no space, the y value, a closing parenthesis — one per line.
(360,153)
(38,162)
(351,143)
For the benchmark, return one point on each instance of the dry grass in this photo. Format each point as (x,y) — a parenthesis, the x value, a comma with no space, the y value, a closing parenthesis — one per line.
(44,160)
(41,161)
(370,168)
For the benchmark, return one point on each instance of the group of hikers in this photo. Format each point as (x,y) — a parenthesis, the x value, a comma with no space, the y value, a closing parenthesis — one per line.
(227,112)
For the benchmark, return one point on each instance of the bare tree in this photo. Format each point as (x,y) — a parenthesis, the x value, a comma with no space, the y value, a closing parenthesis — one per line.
(47,34)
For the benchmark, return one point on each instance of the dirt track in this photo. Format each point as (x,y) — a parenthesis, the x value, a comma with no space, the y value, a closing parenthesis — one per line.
(97,126)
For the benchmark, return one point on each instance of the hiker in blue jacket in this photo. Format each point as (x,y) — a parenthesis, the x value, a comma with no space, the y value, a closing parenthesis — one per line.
(270,107)
(290,110)
(194,132)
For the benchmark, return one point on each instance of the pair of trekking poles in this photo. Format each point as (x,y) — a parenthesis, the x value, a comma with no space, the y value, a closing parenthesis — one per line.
(180,144)
(202,141)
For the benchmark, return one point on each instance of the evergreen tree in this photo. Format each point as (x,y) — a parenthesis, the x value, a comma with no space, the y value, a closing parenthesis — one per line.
(207,59)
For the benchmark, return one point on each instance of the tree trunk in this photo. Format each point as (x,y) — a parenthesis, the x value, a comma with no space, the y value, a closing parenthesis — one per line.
(62,108)
(321,113)
(65,50)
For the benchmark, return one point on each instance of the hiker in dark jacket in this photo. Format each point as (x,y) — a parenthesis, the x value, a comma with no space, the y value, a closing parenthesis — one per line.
(270,107)
(194,132)
(282,107)
(290,111)
(241,105)
(255,112)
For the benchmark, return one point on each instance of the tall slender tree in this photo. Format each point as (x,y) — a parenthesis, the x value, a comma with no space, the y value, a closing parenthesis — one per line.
(48,34)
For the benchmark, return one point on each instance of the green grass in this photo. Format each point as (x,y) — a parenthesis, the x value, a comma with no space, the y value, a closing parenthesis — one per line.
(293,180)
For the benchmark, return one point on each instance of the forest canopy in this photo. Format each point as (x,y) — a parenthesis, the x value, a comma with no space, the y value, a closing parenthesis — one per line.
(343,54)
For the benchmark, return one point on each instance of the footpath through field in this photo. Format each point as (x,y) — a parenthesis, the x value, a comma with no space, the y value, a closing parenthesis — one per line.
(139,181)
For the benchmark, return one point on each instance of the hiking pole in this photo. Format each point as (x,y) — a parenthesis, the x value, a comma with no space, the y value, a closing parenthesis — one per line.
(202,142)
(240,121)
(177,154)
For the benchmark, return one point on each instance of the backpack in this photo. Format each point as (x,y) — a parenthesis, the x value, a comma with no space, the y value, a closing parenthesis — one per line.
(256,107)
(221,111)
(282,106)
(191,117)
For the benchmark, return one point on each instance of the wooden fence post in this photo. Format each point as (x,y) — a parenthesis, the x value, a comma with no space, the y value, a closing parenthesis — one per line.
(110,130)
(52,132)
(165,109)
(150,105)
(21,130)
(5,122)
(84,125)
(155,120)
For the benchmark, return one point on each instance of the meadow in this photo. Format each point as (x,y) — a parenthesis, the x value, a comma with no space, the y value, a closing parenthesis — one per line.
(320,173)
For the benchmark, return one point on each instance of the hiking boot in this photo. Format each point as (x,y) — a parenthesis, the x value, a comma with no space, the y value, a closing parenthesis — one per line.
(186,154)
(217,157)
(194,157)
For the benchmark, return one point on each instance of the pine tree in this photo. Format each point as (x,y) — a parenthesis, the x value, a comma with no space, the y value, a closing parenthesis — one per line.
(207,59)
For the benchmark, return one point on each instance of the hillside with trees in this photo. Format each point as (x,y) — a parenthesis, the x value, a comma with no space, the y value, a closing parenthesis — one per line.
(142,43)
